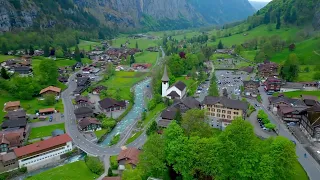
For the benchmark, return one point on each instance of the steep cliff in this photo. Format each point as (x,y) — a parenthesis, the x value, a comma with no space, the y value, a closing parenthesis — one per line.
(124,14)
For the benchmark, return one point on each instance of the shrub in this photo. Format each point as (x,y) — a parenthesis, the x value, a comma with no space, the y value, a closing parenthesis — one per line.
(94,164)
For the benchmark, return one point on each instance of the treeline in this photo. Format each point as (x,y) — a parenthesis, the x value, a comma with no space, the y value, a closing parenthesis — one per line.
(190,149)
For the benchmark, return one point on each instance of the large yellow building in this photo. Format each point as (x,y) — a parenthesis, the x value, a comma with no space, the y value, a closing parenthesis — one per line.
(221,110)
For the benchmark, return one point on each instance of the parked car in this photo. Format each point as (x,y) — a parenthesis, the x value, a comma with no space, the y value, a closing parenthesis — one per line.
(291,124)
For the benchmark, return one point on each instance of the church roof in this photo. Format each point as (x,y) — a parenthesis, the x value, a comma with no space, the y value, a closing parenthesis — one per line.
(165,75)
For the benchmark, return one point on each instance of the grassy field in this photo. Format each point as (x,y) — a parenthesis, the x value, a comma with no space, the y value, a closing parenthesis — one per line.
(114,162)
(248,55)
(297,94)
(142,43)
(134,137)
(255,33)
(100,133)
(60,62)
(85,45)
(306,76)
(77,170)
(122,81)
(146,57)
(5,57)
(220,56)
(44,131)
(308,52)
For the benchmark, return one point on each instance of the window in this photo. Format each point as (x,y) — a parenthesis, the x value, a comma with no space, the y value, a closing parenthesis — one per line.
(223,111)
(223,116)
(236,113)
(213,110)
(218,110)
(218,115)
(213,114)
(229,117)
(229,112)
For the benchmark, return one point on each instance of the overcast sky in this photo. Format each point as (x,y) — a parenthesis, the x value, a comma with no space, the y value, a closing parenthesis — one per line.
(261,0)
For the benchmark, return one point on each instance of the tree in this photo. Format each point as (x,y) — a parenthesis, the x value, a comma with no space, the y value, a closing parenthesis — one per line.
(77,54)
(220,45)
(137,46)
(31,50)
(59,53)
(316,76)
(48,72)
(49,99)
(213,38)
(289,71)
(132,60)
(260,57)
(292,47)
(207,52)
(278,25)
(238,49)
(294,15)
(143,116)
(225,92)
(266,19)
(194,123)
(270,126)
(46,51)
(52,51)
(307,69)
(178,116)
(94,164)
(4,73)
(152,128)
(110,173)
(4,49)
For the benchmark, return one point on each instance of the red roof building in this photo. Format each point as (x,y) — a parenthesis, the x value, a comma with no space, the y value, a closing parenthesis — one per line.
(129,156)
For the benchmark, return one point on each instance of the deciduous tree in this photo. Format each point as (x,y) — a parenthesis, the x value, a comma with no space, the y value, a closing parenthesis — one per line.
(4,73)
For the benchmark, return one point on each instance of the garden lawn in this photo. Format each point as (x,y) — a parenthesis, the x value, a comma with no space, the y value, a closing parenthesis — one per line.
(60,62)
(5,57)
(146,57)
(142,43)
(248,55)
(100,133)
(297,94)
(76,170)
(153,113)
(44,131)
(301,173)
(306,76)
(220,56)
(122,82)
(190,83)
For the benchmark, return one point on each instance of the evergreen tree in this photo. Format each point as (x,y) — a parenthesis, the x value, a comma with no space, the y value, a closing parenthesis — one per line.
(266,19)
(278,25)
(4,73)
(178,116)
(26,51)
(152,128)
(293,17)
(4,49)
(77,39)
(137,46)
(132,60)
(77,54)
(220,45)
(31,50)
(46,51)
(110,173)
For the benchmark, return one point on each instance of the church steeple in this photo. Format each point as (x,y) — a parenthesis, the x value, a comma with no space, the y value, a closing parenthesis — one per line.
(165,77)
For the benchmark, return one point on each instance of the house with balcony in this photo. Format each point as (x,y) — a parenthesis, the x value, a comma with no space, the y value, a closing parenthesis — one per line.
(310,123)
(272,84)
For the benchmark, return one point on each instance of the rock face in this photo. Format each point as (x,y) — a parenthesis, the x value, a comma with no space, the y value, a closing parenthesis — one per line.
(125,14)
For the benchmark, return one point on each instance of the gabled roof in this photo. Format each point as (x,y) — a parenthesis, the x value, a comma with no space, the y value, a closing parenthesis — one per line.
(173,94)
(256,83)
(130,155)
(81,81)
(292,102)
(83,110)
(22,122)
(87,121)
(47,110)
(42,145)
(169,113)
(308,97)
(82,98)
(12,104)
(11,137)
(190,102)
(16,114)
(51,88)
(165,76)
(226,102)
(179,85)
(109,102)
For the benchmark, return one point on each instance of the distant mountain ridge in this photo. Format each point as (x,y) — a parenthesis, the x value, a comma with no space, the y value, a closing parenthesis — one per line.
(122,14)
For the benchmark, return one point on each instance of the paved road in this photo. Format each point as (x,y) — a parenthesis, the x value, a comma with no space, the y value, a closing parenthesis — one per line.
(309,164)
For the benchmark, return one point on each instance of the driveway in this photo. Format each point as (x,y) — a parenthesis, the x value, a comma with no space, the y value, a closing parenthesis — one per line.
(257,129)
(55,120)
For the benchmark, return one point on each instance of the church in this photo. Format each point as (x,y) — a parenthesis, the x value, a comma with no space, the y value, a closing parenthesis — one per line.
(176,91)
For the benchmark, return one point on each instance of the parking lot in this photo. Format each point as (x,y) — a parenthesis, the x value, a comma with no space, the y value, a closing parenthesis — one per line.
(230,80)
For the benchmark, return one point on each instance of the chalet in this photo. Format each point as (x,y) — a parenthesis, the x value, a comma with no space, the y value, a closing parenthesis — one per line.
(272,84)
(139,66)
(50,90)
(81,99)
(98,89)
(10,139)
(291,86)
(129,156)
(86,70)
(267,69)
(251,88)
(167,116)
(186,104)
(12,106)
(8,161)
(22,70)
(78,65)
(15,123)
(275,102)
(82,84)
(83,112)
(48,151)
(309,100)
(310,123)
(109,104)
(18,114)
(291,113)
(47,111)
(89,124)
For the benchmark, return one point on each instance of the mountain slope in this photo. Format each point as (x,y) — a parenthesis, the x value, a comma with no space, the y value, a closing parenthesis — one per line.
(123,14)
